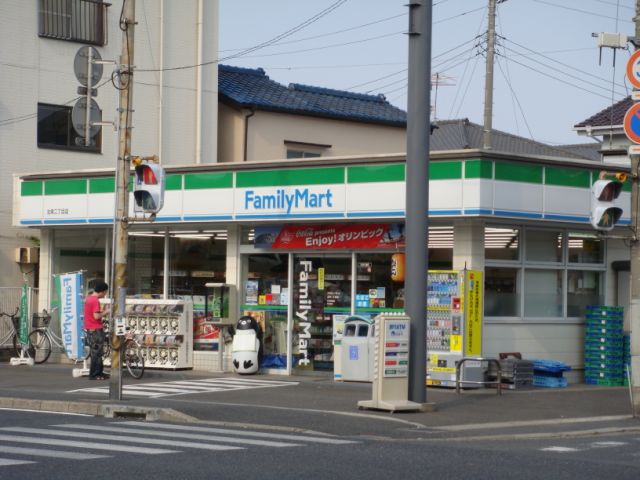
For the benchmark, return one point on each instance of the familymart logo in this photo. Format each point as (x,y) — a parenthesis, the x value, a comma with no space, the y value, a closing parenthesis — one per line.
(288,200)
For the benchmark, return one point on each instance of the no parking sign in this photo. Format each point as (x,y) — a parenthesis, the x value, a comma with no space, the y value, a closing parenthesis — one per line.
(632,123)
(633,69)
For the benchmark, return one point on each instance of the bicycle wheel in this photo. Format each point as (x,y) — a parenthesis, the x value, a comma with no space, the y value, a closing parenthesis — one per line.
(39,346)
(133,360)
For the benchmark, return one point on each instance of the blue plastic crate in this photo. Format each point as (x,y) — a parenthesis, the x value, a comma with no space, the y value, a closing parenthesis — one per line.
(549,382)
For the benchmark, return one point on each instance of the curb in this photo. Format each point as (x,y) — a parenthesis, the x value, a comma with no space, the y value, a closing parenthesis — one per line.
(98,409)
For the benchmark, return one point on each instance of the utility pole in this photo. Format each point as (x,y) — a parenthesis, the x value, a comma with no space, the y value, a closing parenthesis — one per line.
(417,192)
(123,168)
(488,77)
(634,304)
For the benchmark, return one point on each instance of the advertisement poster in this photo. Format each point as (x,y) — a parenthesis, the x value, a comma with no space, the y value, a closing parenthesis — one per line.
(251,292)
(474,313)
(71,302)
(206,335)
(361,235)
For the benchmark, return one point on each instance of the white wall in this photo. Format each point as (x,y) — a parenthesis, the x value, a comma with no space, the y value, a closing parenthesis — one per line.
(34,69)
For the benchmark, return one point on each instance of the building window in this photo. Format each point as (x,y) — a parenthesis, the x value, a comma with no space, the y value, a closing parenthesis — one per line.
(304,149)
(502,292)
(83,21)
(544,246)
(543,293)
(584,288)
(55,130)
(585,248)
(501,243)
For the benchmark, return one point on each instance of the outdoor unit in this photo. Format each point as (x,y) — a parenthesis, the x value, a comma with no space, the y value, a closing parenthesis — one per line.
(27,254)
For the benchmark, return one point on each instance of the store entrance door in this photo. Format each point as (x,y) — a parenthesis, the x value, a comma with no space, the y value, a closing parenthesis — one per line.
(321,296)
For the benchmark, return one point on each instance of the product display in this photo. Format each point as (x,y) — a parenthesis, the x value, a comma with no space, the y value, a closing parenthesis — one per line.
(164,329)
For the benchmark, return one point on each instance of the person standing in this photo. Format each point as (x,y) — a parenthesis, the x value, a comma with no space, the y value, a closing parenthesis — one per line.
(93,315)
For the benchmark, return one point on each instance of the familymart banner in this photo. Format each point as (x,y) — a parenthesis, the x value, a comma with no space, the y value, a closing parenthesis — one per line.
(70,303)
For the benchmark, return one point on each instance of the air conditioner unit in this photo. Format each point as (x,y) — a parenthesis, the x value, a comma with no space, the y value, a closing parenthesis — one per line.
(27,254)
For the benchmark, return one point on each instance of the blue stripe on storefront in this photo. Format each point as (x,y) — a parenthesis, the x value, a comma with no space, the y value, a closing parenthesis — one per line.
(168,219)
(31,222)
(295,215)
(445,212)
(63,222)
(478,211)
(202,217)
(100,220)
(394,213)
(570,218)
(509,213)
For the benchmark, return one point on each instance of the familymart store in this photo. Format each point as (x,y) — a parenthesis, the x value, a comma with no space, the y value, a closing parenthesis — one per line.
(336,224)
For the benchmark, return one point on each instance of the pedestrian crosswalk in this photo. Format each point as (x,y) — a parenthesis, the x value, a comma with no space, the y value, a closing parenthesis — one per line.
(20,445)
(185,387)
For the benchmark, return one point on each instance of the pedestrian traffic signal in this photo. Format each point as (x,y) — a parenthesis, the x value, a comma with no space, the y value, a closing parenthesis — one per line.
(604,213)
(148,191)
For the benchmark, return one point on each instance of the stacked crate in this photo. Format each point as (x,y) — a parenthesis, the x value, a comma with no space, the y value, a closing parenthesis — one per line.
(604,346)
(626,358)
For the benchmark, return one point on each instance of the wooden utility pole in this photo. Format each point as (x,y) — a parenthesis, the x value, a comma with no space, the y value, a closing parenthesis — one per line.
(123,168)
(488,77)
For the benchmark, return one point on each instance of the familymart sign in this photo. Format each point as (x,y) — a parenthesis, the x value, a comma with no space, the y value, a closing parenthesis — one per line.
(472,187)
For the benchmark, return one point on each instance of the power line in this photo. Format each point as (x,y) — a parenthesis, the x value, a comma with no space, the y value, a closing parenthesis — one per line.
(586,12)
(615,4)
(458,15)
(515,97)
(262,45)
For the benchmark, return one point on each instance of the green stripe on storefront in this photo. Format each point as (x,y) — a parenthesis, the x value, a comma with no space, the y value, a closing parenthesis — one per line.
(375,173)
(445,171)
(478,169)
(173,182)
(284,178)
(198,181)
(65,187)
(512,172)
(29,189)
(567,177)
(102,185)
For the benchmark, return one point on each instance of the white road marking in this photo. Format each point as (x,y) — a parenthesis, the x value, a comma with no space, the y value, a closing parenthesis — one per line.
(5,462)
(608,444)
(184,387)
(84,444)
(560,449)
(118,438)
(244,433)
(189,436)
(38,452)
(46,411)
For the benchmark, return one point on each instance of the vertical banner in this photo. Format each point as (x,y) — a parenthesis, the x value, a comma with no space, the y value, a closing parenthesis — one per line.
(473,318)
(70,298)
(24,315)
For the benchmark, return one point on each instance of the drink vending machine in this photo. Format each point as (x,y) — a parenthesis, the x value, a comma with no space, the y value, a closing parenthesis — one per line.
(454,325)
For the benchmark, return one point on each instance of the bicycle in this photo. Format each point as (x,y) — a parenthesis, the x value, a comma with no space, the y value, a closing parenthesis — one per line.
(132,356)
(12,333)
(42,338)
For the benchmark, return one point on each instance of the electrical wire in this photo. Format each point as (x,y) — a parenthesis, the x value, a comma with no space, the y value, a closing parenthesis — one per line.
(262,45)
(578,10)
(515,98)
(614,4)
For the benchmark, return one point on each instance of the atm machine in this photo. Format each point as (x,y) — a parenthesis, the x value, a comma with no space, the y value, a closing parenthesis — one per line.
(454,325)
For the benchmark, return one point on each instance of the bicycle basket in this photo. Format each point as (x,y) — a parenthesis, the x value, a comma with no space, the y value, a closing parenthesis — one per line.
(40,321)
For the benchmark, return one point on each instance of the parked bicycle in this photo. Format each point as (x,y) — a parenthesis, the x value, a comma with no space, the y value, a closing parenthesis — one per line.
(42,338)
(12,331)
(132,357)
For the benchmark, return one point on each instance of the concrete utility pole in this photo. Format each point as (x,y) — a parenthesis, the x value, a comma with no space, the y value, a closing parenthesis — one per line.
(123,168)
(634,306)
(417,192)
(488,77)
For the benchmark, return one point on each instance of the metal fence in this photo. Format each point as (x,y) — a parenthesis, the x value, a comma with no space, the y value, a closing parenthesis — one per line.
(9,302)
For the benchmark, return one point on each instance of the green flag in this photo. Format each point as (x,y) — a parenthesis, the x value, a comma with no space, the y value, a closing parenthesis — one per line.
(24,316)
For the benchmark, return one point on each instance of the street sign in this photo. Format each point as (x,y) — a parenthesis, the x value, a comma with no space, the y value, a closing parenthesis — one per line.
(632,123)
(84,66)
(633,69)
(79,117)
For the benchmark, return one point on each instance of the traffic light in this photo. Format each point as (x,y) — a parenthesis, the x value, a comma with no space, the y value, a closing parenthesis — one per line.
(604,213)
(148,191)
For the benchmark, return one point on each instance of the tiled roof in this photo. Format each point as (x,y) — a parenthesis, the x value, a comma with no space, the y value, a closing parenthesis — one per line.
(613,115)
(249,87)
(463,134)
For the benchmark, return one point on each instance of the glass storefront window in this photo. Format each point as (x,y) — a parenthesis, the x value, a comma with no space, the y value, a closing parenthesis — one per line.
(543,293)
(501,243)
(584,288)
(544,246)
(145,265)
(322,295)
(81,249)
(585,248)
(502,292)
(265,297)
(376,288)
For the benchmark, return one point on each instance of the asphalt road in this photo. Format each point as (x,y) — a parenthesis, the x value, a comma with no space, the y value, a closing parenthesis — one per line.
(55,446)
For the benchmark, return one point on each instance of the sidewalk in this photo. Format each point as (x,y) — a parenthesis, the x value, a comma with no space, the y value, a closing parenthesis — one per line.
(320,403)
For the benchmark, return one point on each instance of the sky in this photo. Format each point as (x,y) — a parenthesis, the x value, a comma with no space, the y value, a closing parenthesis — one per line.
(548,73)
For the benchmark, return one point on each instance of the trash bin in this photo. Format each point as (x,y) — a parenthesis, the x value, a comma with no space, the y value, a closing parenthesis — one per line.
(246,348)
(358,349)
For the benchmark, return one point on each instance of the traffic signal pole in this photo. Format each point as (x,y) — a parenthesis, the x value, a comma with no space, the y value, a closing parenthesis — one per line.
(123,167)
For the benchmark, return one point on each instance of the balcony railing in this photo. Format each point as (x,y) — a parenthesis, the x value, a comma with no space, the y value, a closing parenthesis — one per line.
(83,21)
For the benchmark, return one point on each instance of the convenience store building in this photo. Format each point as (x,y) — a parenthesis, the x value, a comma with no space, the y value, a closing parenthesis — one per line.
(521,219)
